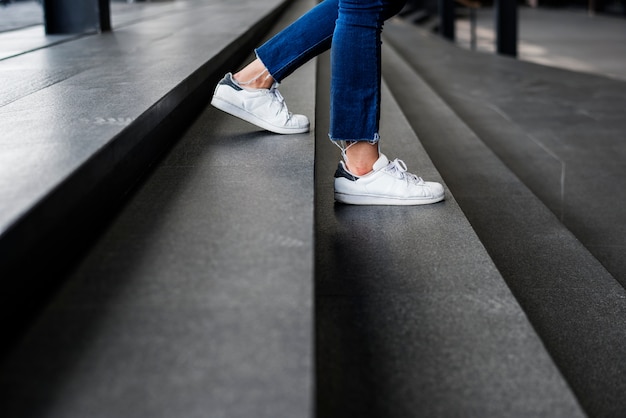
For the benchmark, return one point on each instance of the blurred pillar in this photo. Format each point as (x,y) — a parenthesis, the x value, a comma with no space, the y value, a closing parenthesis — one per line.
(76,16)
(446,19)
(506,27)
(104,10)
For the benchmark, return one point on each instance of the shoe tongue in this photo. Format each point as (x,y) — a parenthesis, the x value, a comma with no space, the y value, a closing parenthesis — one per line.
(381,162)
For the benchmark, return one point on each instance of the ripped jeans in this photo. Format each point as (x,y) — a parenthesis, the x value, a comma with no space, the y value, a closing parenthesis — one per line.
(353,27)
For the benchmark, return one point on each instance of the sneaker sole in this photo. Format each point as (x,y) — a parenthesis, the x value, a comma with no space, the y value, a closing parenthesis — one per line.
(387,201)
(249,117)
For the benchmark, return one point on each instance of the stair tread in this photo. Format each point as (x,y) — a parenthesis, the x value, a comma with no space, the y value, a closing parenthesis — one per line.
(571,299)
(413,318)
(84,104)
(561,132)
(198,297)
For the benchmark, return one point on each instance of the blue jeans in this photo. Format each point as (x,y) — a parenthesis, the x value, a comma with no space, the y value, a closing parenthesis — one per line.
(353,28)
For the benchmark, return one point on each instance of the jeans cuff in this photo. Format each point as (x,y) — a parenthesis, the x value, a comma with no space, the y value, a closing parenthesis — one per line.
(371,141)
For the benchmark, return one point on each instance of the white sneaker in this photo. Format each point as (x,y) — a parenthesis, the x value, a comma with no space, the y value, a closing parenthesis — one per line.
(264,108)
(387,184)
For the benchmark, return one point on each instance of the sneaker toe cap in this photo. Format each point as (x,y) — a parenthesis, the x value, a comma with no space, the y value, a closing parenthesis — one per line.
(435,188)
(300,121)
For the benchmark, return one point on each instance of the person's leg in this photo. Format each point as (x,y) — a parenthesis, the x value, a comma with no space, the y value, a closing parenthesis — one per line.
(304,39)
(355,85)
(251,94)
(289,49)
(355,71)
(361,156)
(255,76)
(366,177)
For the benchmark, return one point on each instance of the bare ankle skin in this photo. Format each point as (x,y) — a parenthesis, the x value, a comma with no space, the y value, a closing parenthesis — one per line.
(255,76)
(360,157)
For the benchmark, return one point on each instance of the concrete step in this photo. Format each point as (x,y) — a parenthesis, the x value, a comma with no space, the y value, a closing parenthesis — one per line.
(197,300)
(561,132)
(83,120)
(573,302)
(22,29)
(412,316)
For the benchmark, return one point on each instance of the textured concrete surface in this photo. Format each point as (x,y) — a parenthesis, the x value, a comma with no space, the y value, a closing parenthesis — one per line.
(22,29)
(87,91)
(413,319)
(561,132)
(99,111)
(568,39)
(19,15)
(573,302)
(197,301)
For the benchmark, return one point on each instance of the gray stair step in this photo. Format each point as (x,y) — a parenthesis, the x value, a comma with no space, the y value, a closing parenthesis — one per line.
(82,120)
(197,300)
(22,29)
(573,302)
(561,132)
(412,316)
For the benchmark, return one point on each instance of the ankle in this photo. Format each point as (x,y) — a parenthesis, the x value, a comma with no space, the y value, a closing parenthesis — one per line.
(255,76)
(360,157)
(359,169)
(258,83)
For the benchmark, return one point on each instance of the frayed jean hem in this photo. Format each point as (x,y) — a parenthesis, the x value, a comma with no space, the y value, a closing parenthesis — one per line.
(371,141)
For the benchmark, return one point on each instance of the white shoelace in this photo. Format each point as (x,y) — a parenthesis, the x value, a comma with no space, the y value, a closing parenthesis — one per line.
(398,168)
(277,97)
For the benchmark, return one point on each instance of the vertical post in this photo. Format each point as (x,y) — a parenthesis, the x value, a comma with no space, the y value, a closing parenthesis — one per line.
(446,19)
(76,16)
(472,13)
(104,10)
(506,27)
